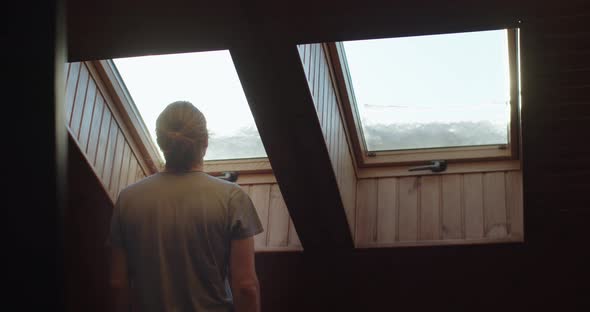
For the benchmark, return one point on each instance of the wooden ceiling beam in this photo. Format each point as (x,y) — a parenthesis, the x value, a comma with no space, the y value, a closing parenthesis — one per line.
(114,28)
(276,88)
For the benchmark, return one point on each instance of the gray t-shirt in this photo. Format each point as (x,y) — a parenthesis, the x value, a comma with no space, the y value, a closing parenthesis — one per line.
(176,230)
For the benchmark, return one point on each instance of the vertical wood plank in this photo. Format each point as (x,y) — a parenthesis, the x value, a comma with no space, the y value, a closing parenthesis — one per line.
(321,77)
(494,205)
(71,88)
(140,173)
(429,208)
(132,172)
(321,109)
(125,163)
(79,99)
(278,226)
(408,209)
(366,205)
(386,210)
(452,215)
(260,195)
(330,126)
(313,71)
(86,120)
(110,154)
(473,203)
(103,139)
(515,203)
(246,188)
(309,60)
(95,129)
(117,161)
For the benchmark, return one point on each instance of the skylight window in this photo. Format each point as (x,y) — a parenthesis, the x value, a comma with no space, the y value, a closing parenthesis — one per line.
(206,79)
(436,91)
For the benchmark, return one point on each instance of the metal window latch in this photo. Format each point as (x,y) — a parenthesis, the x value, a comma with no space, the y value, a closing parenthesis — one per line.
(231,176)
(435,166)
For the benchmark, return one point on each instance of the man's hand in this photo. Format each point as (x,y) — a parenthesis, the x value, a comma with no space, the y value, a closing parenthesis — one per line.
(119,281)
(244,282)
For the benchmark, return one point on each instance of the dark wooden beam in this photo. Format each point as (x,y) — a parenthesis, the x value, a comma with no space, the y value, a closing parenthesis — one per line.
(276,88)
(114,28)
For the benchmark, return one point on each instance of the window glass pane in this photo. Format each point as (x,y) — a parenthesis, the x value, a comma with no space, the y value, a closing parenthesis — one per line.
(431,91)
(206,79)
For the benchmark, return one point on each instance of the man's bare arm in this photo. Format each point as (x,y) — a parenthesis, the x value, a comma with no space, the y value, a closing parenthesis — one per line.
(119,281)
(244,282)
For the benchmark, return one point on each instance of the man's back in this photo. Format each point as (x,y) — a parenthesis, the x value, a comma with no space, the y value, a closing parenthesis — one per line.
(176,230)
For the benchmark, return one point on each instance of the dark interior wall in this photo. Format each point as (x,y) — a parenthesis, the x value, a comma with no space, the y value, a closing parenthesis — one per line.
(33,157)
(549,270)
(87,219)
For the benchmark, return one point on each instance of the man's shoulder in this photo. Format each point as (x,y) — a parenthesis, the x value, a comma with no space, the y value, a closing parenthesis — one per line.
(139,185)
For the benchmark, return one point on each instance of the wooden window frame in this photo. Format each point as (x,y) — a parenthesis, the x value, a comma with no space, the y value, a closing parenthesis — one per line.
(504,153)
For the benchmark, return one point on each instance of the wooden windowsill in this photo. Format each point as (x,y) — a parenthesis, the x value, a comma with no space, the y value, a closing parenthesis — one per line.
(452,168)
(443,242)
(241,166)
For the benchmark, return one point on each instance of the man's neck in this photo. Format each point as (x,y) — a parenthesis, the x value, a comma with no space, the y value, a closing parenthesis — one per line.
(197,168)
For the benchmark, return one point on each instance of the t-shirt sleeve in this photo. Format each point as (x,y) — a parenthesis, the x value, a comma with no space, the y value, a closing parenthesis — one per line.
(115,238)
(244,218)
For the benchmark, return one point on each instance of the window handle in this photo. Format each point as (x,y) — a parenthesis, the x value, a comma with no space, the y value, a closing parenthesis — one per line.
(435,166)
(231,176)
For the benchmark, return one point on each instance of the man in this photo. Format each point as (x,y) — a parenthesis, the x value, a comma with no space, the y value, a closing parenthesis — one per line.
(182,241)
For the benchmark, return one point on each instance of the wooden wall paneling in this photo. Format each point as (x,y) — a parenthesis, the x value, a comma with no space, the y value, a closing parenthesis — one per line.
(339,165)
(94,133)
(71,88)
(260,195)
(103,140)
(319,70)
(494,203)
(350,194)
(278,225)
(322,79)
(325,110)
(408,209)
(125,164)
(429,208)
(125,113)
(343,145)
(331,122)
(473,203)
(79,99)
(246,189)
(132,172)
(140,173)
(107,172)
(515,204)
(329,126)
(309,61)
(387,210)
(310,68)
(86,120)
(452,208)
(366,226)
(117,161)
(335,126)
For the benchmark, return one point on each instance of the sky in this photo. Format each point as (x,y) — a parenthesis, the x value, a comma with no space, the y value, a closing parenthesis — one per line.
(206,79)
(425,79)
(444,78)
